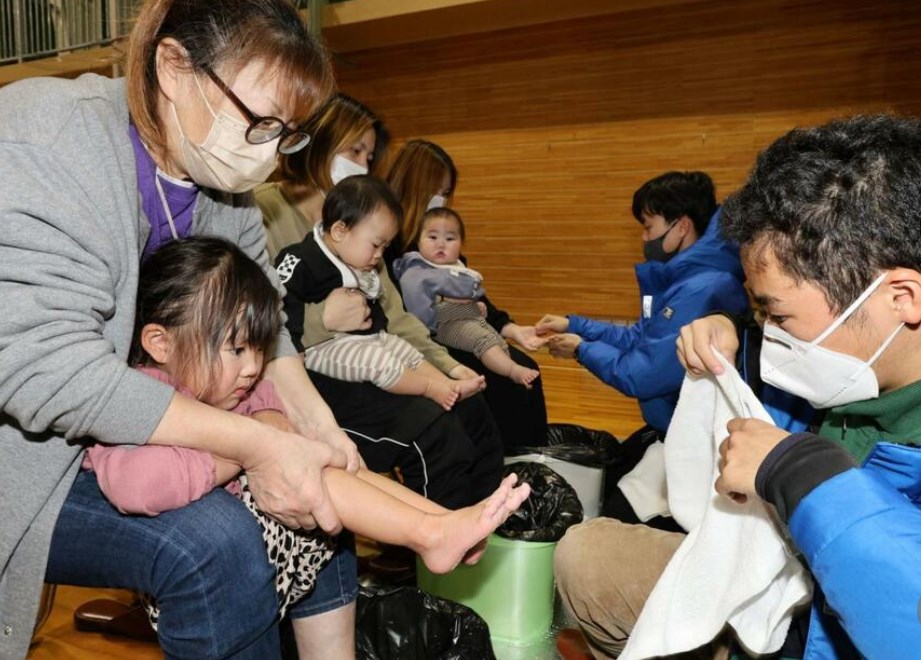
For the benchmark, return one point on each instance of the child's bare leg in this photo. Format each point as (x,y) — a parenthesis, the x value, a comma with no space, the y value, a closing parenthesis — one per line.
(326,635)
(401,492)
(425,380)
(499,361)
(442,540)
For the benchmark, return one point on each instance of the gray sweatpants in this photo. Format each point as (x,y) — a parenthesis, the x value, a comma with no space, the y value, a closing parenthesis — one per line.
(460,325)
(379,358)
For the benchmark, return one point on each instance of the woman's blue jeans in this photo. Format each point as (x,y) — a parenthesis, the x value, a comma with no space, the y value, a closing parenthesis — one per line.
(205,564)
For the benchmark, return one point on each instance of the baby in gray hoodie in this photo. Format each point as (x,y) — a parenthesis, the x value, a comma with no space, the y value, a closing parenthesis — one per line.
(445,295)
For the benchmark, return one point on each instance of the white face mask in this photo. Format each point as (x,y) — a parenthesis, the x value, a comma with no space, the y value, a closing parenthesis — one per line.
(823,377)
(437,202)
(225,160)
(342,167)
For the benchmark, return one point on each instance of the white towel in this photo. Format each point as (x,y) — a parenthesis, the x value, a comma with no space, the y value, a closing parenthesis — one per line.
(645,486)
(733,567)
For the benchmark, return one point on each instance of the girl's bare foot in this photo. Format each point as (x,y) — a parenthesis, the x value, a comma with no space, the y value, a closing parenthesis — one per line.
(442,392)
(467,387)
(523,375)
(460,535)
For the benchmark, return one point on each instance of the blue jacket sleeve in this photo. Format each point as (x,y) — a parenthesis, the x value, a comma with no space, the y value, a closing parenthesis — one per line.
(862,540)
(623,337)
(648,366)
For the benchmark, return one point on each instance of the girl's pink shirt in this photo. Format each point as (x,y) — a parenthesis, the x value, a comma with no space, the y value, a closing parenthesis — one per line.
(150,479)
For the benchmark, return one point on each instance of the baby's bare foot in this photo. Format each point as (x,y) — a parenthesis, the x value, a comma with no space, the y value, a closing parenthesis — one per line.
(461,535)
(523,375)
(442,392)
(467,387)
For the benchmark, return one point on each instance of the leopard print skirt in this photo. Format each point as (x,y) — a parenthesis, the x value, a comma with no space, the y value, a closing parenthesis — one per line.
(298,555)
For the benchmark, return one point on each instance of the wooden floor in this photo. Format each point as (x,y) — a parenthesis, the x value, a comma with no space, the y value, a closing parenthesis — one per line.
(59,640)
(573,396)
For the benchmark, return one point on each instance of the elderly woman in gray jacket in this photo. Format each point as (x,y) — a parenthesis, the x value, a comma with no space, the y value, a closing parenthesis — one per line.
(95,173)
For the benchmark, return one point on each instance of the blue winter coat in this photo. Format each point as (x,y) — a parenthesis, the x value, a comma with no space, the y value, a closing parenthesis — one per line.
(860,534)
(639,360)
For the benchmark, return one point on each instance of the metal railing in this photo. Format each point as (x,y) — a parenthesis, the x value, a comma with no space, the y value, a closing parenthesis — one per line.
(31,29)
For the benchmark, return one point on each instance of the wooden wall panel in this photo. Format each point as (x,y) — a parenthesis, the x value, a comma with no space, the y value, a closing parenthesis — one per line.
(553,127)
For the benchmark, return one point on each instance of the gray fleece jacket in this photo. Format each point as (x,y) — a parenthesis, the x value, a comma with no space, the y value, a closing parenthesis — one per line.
(422,283)
(71,235)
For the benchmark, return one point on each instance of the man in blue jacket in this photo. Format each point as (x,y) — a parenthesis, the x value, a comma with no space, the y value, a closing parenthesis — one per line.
(829,226)
(689,271)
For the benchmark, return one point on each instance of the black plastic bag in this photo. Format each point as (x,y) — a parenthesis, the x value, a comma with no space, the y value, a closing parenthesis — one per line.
(577,444)
(552,508)
(405,623)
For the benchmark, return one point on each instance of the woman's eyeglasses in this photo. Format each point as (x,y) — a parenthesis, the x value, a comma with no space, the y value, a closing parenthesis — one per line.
(263,129)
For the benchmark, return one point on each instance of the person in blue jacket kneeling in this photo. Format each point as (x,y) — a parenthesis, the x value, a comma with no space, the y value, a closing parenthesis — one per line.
(690,271)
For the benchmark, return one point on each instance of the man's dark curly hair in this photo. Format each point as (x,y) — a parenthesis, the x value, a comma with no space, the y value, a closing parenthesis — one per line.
(835,204)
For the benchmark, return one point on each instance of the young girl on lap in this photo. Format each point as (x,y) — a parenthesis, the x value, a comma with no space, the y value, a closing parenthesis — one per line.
(206,315)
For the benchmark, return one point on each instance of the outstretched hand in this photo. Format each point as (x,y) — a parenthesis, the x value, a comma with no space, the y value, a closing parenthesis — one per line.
(550,324)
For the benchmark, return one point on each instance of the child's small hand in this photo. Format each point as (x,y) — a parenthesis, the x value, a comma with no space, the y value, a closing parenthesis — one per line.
(524,335)
(482,306)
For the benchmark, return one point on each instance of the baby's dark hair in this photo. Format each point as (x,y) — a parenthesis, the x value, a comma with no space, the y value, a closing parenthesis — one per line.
(675,194)
(356,197)
(445,212)
(205,291)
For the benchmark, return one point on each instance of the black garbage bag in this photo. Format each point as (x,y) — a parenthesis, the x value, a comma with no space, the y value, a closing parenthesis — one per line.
(577,444)
(404,623)
(552,508)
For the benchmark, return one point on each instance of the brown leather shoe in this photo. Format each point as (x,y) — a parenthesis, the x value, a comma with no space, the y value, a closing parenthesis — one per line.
(111,617)
(571,645)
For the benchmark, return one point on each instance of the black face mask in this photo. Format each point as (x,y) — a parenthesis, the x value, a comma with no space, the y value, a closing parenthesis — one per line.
(653,250)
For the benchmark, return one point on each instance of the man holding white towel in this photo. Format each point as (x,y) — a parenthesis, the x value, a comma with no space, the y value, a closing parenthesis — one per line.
(829,226)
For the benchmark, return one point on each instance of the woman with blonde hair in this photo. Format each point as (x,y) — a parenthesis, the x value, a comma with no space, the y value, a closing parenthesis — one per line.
(346,138)
(97,174)
(424,177)
(453,458)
